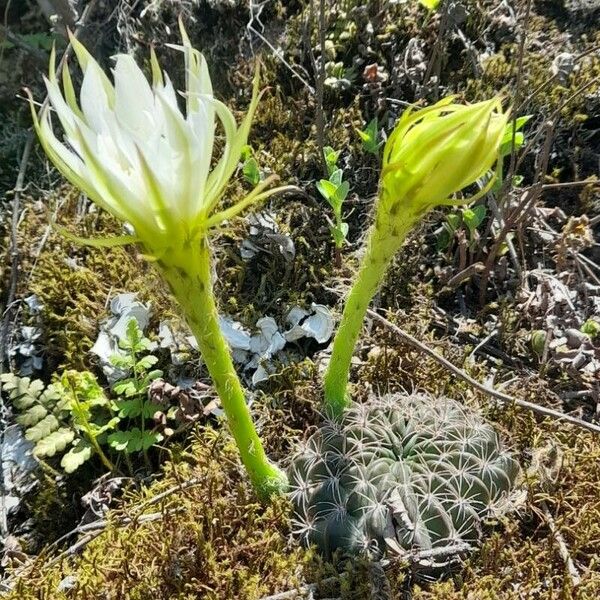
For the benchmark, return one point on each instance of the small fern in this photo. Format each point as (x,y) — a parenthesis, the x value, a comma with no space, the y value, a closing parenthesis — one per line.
(67,416)
(133,402)
(74,418)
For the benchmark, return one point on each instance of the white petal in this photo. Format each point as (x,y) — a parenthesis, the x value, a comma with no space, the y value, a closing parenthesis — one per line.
(65,114)
(202,123)
(94,101)
(134,101)
(73,168)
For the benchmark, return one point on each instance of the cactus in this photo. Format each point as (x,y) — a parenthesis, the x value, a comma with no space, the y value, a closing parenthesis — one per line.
(403,475)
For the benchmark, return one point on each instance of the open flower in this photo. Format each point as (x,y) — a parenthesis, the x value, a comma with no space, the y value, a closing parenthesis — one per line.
(135,153)
(131,149)
(439,150)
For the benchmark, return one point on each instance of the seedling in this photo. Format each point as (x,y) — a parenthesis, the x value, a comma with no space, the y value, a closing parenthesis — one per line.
(335,191)
(134,404)
(370,137)
(506,148)
(250,168)
(591,327)
(471,218)
(331,158)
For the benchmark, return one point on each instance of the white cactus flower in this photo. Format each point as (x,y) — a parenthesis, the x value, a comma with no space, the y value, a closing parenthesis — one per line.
(135,153)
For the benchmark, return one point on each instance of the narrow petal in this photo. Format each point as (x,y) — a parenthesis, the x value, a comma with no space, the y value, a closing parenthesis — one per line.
(134,101)
(85,60)
(157,76)
(94,101)
(179,140)
(218,176)
(69,164)
(65,114)
(69,91)
(235,140)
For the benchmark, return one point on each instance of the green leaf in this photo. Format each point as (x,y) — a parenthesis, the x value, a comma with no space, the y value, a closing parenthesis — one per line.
(538,341)
(40,41)
(331,158)
(146,362)
(251,171)
(76,456)
(246,152)
(369,137)
(122,362)
(32,416)
(336,177)
(134,337)
(326,189)
(21,390)
(339,234)
(473,217)
(130,408)
(42,429)
(152,375)
(107,427)
(54,443)
(341,193)
(506,143)
(119,440)
(444,238)
(126,388)
(453,220)
(591,327)
(52,394)
(133,440)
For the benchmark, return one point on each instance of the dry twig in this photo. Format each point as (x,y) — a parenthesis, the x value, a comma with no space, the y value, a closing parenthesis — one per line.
(563,550)
(504,398)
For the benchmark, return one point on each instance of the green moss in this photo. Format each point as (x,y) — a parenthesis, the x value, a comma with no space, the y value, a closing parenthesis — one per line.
(76,283)
(210,540)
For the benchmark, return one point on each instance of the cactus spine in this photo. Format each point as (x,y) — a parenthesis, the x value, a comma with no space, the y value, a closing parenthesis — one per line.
(403,474)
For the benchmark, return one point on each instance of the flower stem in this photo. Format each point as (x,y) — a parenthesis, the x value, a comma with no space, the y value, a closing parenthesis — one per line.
(384,241)
(188,272)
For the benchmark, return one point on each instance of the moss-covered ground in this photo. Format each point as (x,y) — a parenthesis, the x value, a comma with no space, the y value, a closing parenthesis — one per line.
(193,529)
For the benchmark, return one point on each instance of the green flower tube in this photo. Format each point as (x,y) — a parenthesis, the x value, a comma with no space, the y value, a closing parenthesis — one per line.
(431,154)
(131,149)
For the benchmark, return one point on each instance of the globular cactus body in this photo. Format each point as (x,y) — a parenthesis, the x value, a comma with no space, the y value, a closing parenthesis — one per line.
(402,474)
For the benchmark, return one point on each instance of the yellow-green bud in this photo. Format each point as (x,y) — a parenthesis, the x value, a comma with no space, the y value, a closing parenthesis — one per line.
(437,151)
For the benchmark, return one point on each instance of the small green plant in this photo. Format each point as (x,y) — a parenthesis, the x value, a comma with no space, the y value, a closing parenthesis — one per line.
(370,138)
(506,148)
(470,218)
(37,41)
(250,168)
(133,403)
(591,327)
(70,416)
(401,474)
(73,416)
(335,191)
(331,157)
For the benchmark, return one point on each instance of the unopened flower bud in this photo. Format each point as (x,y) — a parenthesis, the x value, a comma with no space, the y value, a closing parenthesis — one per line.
(437,151)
